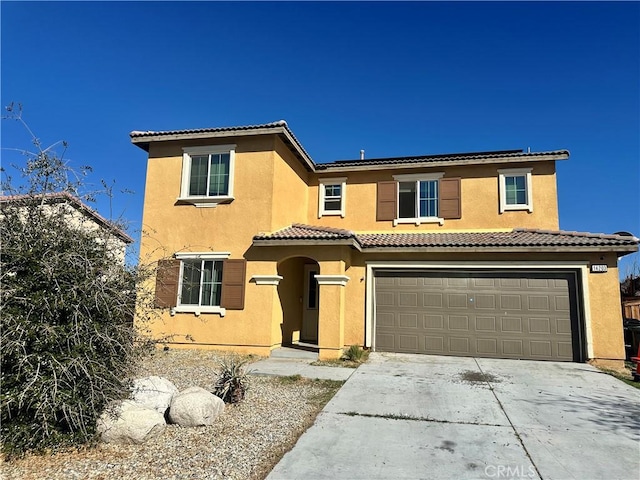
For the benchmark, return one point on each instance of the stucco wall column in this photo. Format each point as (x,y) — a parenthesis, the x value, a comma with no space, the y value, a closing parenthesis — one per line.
(268,285)
(331,315)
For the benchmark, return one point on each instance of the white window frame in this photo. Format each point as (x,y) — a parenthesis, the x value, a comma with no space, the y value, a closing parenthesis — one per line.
(205,200)
(323,182)
(417,177)
(198,309)
(502,186)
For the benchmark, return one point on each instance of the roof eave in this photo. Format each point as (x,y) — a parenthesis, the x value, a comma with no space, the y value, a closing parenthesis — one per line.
(299,151)
(349,242)
(502,249)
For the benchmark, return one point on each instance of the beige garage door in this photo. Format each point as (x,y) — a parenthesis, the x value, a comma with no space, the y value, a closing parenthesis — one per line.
(483,314)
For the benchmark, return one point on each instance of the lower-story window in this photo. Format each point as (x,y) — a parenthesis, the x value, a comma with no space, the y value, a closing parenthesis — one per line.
(201,283)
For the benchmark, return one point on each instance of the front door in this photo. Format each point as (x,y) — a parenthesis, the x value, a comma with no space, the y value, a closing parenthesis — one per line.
(310,305)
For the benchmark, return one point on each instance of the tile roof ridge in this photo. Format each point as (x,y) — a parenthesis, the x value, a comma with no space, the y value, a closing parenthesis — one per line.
(277,123)
(317,228)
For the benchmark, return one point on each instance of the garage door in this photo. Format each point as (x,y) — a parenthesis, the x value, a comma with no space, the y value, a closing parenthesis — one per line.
(483,314)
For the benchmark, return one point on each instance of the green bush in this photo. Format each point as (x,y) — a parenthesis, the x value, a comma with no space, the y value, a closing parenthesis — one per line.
(232,382)
(68,344)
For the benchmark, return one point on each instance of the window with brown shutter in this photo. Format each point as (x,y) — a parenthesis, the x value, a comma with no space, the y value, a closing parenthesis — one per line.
(450,204)
(233,284)
(167,278)
(386,202)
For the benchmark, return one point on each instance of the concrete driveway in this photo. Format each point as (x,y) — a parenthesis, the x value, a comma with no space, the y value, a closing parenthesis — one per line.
(429,417)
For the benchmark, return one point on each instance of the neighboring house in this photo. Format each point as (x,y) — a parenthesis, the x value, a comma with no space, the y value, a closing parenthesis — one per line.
(630,292)
(77,213)
(456,254)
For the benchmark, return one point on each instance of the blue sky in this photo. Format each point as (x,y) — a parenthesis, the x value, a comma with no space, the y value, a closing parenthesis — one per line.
(391,78)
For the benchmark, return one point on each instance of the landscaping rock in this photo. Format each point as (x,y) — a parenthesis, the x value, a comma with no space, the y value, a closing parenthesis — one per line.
(154,392)
(195,407)
(130,422)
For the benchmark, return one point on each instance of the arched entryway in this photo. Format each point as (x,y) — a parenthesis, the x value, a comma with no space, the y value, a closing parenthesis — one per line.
(299,298)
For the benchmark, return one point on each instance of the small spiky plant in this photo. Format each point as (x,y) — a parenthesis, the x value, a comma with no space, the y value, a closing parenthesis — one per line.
(355,353)
(233,381)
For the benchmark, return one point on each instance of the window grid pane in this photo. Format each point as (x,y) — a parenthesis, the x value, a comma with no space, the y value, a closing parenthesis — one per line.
(198,177)
(332,190)
(333,204)
(516,190)
(219,174)
(429,198)
(190,292)
(211,283)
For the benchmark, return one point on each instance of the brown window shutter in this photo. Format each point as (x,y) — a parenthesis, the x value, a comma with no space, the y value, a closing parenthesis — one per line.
(386,204)
(167,278)
(233,282)
(450,204)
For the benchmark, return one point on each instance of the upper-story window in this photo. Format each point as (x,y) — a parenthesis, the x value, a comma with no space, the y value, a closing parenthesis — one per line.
(418,198)
(331,199)
(515,189)
(207,175)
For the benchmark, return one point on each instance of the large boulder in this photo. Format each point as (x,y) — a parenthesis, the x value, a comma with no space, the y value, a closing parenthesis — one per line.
(195,407)
(130,422)
(154,392)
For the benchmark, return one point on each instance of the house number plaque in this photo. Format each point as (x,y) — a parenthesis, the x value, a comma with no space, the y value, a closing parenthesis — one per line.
(599,268)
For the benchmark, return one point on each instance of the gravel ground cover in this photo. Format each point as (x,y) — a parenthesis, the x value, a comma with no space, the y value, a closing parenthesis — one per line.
(246,442)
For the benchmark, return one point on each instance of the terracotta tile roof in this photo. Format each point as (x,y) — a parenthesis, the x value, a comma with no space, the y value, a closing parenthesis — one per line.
(56,197)
(152,133)
(517,239)
(138,137)
(298,231)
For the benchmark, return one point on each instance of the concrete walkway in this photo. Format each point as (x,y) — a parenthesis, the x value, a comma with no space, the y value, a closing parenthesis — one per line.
(288,361)
(428,417)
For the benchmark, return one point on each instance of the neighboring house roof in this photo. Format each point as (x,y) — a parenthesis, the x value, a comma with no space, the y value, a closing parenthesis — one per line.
(280,128)
(59,197)
(517,240)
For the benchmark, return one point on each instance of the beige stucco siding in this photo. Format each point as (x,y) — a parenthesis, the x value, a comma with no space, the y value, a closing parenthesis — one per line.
(479,193)
(171,227)
(606,314)
(290,191)
(224,228)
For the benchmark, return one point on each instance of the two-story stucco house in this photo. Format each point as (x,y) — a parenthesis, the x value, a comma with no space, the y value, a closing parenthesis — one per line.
(258,246)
